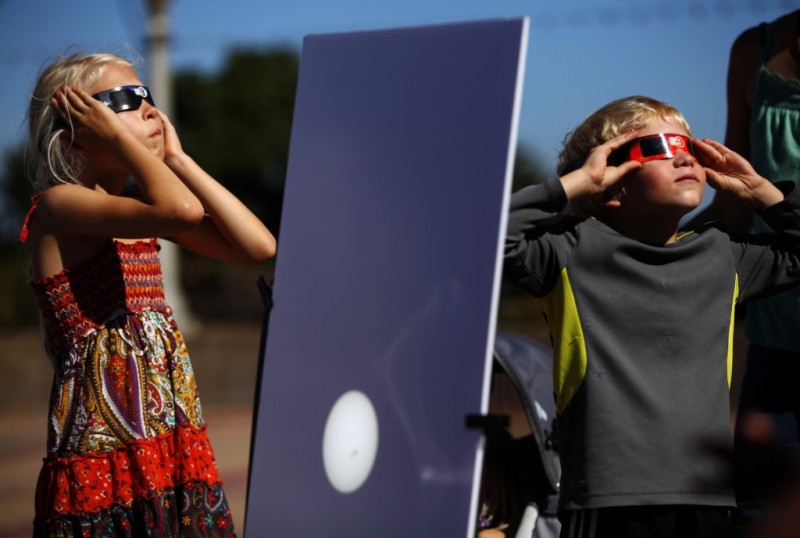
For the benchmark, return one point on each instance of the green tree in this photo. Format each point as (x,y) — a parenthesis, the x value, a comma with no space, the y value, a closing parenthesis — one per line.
(17,305)
(15,191)
(528,169)
(237,123)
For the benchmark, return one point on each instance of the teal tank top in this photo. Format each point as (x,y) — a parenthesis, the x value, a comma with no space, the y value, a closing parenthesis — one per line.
(774,322)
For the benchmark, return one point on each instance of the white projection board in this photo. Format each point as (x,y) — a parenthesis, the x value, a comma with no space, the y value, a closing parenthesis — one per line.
(379,341)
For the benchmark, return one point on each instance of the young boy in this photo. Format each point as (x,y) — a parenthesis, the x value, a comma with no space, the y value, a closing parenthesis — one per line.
(641,317)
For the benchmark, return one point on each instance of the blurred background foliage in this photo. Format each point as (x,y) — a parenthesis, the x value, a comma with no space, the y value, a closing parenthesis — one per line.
(236,123)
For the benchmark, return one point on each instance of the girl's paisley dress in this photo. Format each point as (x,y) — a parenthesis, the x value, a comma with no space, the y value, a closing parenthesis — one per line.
(127,450)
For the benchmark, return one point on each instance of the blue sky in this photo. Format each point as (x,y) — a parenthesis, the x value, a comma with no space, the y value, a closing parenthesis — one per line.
(582,53)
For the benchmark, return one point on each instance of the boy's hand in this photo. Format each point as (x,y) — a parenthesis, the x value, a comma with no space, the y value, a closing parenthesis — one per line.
(728,171)
(596,176)
(91,122)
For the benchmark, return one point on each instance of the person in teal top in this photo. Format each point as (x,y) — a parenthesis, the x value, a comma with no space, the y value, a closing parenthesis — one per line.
(774,134)
(763,125)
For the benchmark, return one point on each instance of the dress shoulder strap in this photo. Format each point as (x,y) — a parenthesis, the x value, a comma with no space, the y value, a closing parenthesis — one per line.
(23,234)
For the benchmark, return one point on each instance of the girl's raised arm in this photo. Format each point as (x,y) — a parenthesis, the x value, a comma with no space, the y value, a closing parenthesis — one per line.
(230,231)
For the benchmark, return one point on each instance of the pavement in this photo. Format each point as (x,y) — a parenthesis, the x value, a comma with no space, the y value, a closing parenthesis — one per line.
(225,359)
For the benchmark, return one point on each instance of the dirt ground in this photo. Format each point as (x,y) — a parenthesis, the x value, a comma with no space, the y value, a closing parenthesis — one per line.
(225,358)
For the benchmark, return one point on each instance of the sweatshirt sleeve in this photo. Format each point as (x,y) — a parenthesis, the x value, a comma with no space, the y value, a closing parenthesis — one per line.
(767,263)
(784,217)
(534,204)
(534,253)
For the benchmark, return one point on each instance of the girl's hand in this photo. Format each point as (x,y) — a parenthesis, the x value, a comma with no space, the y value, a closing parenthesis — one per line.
(172,144)
(728,171)
(91,122)
(595,175)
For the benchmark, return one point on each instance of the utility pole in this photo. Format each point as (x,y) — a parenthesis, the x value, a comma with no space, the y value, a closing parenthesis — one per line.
(158,38)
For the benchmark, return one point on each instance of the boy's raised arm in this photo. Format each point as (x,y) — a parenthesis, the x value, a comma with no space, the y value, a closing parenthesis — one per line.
(729,172)
(595,175)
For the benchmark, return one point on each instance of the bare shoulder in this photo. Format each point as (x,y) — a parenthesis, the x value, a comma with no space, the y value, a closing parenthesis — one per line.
(69,196)
(60,193)
(56,238)
(747,46)
(66,208)
(50,200)
(745,58)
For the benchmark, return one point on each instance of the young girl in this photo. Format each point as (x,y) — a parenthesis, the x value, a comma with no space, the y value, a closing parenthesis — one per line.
(127,453)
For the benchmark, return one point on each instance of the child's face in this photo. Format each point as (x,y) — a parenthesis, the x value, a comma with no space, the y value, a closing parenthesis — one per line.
(144,122)
(677,182)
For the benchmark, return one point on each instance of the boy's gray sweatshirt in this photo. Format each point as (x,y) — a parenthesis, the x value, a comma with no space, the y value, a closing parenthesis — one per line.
(642,338)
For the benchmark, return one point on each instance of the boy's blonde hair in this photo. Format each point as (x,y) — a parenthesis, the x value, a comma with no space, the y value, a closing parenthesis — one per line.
(49,135)
(615,118)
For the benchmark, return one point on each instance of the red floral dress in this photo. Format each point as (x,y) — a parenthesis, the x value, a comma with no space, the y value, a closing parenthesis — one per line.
(127,449)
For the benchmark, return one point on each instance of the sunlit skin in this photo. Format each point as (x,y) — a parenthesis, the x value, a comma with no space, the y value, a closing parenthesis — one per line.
(657,194)
(144,123)
(176,200)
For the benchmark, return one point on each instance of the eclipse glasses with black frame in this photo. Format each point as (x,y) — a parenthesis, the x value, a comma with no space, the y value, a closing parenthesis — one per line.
(124,98)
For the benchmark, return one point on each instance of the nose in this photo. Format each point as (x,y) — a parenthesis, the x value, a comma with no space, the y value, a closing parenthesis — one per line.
(684,158)
(148,111)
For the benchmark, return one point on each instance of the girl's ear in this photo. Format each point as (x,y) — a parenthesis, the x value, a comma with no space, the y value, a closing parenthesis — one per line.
(66,136)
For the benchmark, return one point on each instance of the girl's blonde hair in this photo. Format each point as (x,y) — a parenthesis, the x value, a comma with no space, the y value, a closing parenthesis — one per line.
(615,118)
(53,163)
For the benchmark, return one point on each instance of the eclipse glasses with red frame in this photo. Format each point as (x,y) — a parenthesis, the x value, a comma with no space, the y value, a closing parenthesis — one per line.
(651,148)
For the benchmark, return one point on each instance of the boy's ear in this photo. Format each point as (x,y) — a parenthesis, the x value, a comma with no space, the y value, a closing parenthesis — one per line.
(609,198)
